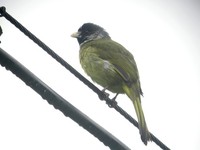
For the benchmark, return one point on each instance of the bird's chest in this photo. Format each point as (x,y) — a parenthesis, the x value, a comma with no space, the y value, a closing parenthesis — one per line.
(94,66)
(101,71)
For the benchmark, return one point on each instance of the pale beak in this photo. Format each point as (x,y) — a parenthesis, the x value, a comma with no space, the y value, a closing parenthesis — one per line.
(76,35)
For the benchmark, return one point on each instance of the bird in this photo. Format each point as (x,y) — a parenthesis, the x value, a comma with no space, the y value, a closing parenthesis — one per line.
(112,66)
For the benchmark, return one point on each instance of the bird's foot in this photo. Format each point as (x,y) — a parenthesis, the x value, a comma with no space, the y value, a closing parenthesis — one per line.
(104,95)
(113,102)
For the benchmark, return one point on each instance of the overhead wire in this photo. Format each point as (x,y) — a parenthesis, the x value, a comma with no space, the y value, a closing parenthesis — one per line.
(102,95)
(59,102)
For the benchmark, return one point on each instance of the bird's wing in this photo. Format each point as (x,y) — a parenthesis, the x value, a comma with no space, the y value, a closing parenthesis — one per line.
(118,56)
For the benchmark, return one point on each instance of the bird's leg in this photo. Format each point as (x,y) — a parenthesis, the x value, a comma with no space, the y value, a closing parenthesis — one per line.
(113,101)
(114,98)
(105,95)
(104,91)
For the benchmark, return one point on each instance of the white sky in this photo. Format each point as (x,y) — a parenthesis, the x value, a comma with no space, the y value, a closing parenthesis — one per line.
(164,38)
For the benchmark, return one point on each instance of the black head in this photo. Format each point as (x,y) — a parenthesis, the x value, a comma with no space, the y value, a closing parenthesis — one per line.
(88,32)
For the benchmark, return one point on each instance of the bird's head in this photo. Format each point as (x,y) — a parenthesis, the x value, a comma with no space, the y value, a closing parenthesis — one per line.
(88,32)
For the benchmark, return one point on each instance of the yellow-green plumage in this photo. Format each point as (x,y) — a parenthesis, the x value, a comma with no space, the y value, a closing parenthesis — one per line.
(113,67)
(100,62)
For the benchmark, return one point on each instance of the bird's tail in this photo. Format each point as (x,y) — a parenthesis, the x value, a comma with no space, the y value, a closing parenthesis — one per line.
(134,95)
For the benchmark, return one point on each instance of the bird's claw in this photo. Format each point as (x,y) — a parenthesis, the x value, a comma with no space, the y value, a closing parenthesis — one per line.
(104,95)
(113,102)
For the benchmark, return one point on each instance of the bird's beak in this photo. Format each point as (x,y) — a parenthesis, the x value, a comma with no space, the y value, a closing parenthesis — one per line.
(76,35)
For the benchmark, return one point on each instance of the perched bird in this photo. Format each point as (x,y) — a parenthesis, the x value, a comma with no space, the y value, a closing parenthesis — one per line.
(112,66)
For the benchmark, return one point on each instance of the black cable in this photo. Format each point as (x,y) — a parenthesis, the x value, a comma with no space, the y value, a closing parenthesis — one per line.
(60,103)
(101,94)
